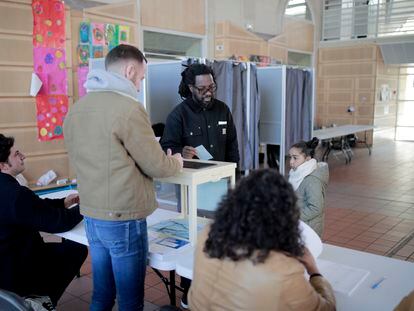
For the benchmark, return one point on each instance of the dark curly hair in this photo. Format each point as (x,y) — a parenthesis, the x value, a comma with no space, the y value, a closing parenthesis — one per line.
(258,216)
(188,77)
(307,147)
(6,143)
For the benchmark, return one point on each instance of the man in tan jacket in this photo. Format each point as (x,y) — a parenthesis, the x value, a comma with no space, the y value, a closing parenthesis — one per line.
(115,154)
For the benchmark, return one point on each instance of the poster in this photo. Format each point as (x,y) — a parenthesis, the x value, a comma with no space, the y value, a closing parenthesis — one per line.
(111,36)
(97,32)
(82,75)
(84,33)
(50,67)
(123,34)
(83,54)
(51,110)
(97,51)
(48,23)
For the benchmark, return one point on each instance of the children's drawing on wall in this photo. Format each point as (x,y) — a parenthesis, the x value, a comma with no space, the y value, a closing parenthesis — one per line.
(97,51)
(83,55)
(51,110)
(123,34)
(111,36)
(97,34)
(49,64)
(84,30)
(50,67)
(48,23)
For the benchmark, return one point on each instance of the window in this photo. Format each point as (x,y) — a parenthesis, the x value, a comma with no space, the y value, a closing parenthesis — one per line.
(299,9)
(299,59)
(171,46)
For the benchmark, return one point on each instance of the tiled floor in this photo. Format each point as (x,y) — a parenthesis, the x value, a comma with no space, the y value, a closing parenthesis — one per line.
(369,207)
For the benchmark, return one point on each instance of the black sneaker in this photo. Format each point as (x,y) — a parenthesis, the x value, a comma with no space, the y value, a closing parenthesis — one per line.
(184,302)
(40,303)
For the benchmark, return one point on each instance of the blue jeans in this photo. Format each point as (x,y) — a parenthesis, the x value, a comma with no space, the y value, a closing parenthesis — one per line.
(119,258)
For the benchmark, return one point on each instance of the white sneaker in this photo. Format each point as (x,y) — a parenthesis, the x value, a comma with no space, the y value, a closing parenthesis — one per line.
(40,303)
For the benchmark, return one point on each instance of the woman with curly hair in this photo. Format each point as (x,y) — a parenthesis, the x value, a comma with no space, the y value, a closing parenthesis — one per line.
(309,179)
(252,256)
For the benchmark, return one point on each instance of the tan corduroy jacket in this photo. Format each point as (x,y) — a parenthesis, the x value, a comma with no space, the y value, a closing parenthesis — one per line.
(277,284)
(115,155)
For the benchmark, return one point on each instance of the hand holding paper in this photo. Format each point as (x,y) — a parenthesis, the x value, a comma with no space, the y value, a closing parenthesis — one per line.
(202,153)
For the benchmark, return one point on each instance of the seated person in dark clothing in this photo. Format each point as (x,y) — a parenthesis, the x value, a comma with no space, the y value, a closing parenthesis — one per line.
(28,265)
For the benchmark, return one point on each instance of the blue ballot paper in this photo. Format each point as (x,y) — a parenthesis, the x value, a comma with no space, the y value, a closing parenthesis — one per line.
(202,153)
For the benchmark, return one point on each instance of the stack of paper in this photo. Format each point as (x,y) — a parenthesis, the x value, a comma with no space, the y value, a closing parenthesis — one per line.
(344,279)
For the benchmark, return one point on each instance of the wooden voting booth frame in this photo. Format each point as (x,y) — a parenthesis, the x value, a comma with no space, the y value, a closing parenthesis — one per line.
(272,125)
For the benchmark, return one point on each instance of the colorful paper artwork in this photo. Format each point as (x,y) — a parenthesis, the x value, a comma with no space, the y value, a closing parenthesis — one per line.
(123,34)
(51,110)
(82,75)
(97,51)
(84,32)
(97,30)
(111,36)
(50,66)
(83,54)
(48,23)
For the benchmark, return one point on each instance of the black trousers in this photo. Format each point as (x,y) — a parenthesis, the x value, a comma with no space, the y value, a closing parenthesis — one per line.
(60,264)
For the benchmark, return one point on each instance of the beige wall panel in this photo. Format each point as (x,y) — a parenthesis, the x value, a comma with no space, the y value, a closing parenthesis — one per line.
(26,138)
(338,120)
(338,110)
(16,18)
(219,29)
(365,83)
(321,110)
(383,69)
(346,54)
(221,53)
(321,83)
(385,122)
(279,40)
(278,52)
(15,81)
(37,166)
(364,121)
(340,97)
(16,50)
(299,35)
(352,69)
(179,15)
(391,82)
(238,32)
(320,98)
(364,97)
(123,11)
(365,111)
(16,112)
(347,84)
(244,47)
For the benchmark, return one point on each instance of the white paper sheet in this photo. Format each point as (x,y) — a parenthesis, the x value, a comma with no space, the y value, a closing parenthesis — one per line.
(202,153)
(344,279)
(35,85)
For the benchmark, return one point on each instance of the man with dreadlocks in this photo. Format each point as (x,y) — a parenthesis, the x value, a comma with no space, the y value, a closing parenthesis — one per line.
(200,119)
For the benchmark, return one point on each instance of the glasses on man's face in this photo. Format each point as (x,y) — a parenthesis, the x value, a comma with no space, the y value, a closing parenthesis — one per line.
(204,89)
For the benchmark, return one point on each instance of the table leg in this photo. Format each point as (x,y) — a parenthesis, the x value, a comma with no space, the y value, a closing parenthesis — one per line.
(184,200)
(169,285)
(192,212)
